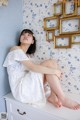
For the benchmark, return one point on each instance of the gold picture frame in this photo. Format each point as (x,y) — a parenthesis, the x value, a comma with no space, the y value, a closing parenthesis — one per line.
(78,12)
(50,36)
(78,2)
(76,39)
(58,8)
(3,2)
(70,25)
(62,41)
(51,23)
(57,32)
(69,8)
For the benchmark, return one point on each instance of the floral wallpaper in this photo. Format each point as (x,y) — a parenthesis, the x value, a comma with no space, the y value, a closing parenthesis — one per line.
(68,59)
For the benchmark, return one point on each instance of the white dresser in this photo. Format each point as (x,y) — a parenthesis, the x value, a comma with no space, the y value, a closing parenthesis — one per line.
(20,111)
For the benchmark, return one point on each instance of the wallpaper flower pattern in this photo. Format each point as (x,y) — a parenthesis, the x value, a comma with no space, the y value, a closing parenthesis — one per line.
(68,59)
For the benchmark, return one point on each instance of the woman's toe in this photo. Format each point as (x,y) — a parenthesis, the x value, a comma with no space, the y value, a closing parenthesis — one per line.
(77,107)
(59,102)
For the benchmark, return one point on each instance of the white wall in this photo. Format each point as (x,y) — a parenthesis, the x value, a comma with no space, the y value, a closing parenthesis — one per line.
(68,59)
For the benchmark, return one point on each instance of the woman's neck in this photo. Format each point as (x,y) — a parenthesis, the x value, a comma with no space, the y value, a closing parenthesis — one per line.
(24,47)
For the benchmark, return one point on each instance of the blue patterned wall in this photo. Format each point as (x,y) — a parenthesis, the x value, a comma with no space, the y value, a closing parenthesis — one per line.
(68,59)
(10,27)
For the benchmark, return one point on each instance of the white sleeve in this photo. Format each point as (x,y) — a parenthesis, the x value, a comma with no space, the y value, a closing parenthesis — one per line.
(15,55)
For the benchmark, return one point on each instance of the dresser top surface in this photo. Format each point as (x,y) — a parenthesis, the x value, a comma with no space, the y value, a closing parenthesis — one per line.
(62,112)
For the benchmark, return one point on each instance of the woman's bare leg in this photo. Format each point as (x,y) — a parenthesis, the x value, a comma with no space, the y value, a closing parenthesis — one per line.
(53,97)
(55,85)
(53,80)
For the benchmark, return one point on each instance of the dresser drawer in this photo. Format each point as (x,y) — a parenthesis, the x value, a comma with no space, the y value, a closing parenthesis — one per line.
(14,117)
(26,112)
(19,110)
(16,110)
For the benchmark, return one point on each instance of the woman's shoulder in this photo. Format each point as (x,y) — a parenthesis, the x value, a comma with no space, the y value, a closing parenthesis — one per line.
(14,48)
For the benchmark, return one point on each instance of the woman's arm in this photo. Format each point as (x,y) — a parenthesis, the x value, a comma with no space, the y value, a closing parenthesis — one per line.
(39,68)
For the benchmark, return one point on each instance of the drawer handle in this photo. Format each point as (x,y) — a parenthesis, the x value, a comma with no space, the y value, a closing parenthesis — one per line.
(21,113)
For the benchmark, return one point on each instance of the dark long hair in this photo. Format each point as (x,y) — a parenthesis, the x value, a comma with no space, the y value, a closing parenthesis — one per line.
(32,47)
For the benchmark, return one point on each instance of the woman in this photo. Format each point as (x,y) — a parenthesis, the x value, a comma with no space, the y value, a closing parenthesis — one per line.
(27,79)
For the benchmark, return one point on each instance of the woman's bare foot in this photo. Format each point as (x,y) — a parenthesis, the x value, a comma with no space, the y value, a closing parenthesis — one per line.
(54,100)
(71,104)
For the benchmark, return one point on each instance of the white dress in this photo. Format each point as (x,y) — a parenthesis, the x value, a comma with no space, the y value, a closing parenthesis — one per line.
(26,85)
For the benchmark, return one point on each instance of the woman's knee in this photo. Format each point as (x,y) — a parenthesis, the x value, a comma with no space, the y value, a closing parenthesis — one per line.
(50,63)
(47,63)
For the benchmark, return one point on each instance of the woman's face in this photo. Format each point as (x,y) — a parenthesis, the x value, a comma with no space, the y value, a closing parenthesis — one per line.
(26,38)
